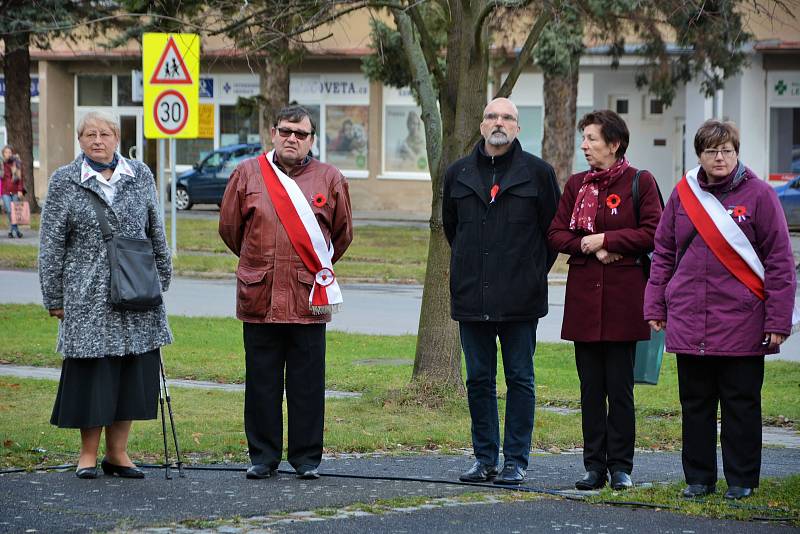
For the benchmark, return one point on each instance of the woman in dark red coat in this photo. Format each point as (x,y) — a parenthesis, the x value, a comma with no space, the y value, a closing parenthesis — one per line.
(597,226)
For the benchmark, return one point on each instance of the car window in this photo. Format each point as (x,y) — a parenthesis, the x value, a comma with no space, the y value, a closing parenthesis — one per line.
(214,160)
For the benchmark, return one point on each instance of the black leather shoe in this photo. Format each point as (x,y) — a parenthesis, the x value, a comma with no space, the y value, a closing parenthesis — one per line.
(511,475)
(698,490)
(591,480)
(121,470)
(86,472)
(19,234)
(11,235)
(307,472)
(258,471)
(620,480)
(479,472)
(738,492)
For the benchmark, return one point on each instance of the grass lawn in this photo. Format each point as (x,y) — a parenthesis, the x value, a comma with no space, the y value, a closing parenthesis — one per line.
(387,417)
(378,253)
(774,499)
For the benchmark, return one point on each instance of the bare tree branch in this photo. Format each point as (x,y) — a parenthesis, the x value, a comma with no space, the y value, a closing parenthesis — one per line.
(427,45)
(491,6)
(524,55)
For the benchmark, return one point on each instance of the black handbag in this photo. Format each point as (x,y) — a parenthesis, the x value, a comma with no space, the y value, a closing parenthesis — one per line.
(134,285)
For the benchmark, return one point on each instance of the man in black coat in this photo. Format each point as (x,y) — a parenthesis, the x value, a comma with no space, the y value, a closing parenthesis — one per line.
(498,204)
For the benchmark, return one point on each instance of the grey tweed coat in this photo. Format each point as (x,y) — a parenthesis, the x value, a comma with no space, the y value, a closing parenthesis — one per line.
(73,263)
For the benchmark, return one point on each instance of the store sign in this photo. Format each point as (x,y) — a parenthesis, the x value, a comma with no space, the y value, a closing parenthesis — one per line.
(329,87)
(784,88)
(205,129)
(206,87)
(233,86)
(171,69)
(34,86)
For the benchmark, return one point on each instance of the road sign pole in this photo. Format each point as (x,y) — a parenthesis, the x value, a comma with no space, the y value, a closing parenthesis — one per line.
(162,177)
(173,188)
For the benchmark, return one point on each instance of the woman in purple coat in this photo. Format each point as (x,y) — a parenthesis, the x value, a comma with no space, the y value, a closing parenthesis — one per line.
(722,284)
(596,224)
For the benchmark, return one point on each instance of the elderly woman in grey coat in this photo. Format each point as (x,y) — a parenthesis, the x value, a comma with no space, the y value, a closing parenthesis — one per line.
(110,371)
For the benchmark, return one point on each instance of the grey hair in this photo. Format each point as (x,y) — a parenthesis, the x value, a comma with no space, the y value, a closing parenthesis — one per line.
(98,116)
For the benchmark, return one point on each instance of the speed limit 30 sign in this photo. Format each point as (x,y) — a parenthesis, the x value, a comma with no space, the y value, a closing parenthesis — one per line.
(170,112)
(171,68)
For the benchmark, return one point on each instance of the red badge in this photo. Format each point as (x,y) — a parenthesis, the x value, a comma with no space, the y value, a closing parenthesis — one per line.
(319,200)
(493,192)
(613,201)
(740,212)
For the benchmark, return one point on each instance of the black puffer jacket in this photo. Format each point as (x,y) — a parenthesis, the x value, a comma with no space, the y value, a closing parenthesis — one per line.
(500,258)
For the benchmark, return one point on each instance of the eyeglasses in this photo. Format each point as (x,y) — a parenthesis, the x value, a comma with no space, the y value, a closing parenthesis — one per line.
(298,134)
(494,116)
(712,152)
(104,135)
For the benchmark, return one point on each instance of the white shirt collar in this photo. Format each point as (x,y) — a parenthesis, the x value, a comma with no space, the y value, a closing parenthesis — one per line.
(123,167)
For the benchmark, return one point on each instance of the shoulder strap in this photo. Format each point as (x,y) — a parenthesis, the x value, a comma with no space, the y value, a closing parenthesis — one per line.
(635,193)
(99,210)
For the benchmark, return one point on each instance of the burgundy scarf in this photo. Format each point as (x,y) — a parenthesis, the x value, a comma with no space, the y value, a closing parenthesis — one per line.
(585,210)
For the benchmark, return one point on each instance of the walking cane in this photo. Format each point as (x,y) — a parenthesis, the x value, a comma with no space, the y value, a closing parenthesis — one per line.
(179,463)
(167,474)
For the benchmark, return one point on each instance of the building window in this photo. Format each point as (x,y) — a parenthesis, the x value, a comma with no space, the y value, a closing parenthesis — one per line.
(784,143)
(653,107)
(124,91)
(405,150)
(94,90)
(339,104)
(620,104)
(191,151)
(34,127)
(235,128)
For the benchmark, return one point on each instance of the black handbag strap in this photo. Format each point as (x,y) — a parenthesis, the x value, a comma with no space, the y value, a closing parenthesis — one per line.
(100,211)
(635,194)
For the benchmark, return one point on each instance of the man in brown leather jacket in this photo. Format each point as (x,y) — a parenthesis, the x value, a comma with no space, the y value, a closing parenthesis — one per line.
(287,216)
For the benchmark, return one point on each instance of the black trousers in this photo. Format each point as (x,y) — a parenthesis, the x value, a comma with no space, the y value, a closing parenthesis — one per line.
(734,383)
(608,420)
(298,350)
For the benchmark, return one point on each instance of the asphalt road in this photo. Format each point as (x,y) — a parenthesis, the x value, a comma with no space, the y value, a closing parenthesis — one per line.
(60,502)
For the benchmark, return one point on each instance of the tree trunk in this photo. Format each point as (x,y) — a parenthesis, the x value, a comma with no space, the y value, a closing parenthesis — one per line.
(17,70)
(461,103)
(558,143)
(274,86)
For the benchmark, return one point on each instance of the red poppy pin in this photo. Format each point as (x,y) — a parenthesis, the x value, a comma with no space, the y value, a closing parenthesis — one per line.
(493,192)
(739,212)
(613,201)
(319,200)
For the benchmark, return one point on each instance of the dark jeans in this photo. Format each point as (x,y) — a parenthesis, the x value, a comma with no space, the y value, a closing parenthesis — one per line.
(608,419)
(299,351)
(734,383)
(518,343)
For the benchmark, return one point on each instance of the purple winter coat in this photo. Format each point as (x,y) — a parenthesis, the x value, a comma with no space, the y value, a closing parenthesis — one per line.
(708,311)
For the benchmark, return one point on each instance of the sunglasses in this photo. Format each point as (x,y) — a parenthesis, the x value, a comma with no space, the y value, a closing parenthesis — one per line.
(298,134)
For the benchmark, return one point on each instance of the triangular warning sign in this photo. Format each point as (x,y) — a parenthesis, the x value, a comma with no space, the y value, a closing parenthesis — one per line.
(171,69)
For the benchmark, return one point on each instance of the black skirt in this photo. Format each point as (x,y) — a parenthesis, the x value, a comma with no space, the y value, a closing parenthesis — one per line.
(96,392)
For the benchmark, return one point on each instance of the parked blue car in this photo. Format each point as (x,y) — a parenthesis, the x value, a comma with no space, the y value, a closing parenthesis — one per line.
(789,195)
(206,182)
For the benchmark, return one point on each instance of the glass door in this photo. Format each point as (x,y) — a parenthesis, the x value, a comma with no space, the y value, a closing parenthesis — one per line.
(130,143)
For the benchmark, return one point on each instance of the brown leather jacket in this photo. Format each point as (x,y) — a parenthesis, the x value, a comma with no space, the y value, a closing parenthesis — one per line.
(273,284)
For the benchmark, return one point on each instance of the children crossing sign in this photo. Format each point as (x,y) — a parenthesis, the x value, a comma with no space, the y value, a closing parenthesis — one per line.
(171,68)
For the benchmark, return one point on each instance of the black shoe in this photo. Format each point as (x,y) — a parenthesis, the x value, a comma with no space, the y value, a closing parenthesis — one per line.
(620,480)
(591,480)
(738,492)
(86,472)
(511,475)
(698,490)
(479,472)
(258,471)
(307,472)
(11,235)
(121,470)
(19,234)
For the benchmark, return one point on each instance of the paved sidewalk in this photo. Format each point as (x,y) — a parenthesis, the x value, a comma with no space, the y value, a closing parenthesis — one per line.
(58,501)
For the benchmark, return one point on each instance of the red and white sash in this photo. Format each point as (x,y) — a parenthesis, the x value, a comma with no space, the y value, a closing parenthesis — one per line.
(297,217)
(723,236)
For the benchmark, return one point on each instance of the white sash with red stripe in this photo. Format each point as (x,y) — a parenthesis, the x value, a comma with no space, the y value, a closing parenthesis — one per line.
(724,237)
(302,227)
